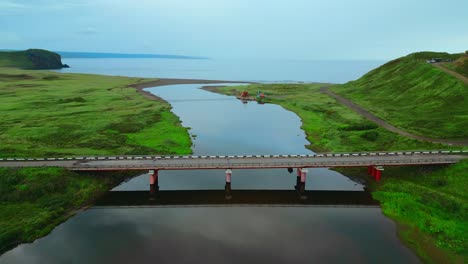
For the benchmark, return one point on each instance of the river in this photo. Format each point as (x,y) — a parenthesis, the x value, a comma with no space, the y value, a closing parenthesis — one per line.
(222,125)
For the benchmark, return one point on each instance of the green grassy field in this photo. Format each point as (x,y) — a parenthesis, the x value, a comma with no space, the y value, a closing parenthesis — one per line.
(329,125)
(414,95)
(51,114)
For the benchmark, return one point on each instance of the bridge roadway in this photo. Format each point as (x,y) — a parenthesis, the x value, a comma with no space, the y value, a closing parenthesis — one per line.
(327,160)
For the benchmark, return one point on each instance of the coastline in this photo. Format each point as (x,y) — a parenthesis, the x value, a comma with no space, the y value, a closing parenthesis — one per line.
(140,86)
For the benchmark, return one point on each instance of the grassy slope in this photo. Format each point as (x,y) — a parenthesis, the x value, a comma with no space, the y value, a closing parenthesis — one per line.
(460,65)
(51,114)
(16,59)
(329,125)
(31,59)
(414,95)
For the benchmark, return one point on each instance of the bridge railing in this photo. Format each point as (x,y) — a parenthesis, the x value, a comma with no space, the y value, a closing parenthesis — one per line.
(317,155)
(276,164)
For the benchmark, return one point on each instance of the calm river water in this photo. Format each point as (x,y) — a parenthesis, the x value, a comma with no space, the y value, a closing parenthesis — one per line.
(225,234)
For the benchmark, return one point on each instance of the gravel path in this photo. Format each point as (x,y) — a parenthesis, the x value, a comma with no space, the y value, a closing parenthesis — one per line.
(455,74)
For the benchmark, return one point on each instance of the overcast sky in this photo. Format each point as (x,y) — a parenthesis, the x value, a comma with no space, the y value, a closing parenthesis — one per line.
(293,29)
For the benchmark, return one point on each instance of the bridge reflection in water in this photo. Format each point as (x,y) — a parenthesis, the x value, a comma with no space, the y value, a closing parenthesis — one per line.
(193,198)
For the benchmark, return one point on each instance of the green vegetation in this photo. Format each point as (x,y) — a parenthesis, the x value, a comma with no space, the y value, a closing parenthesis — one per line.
(329,125)
(31,59)
(35,200)
(414,95)
(431,205)
(51,114)
(460,65)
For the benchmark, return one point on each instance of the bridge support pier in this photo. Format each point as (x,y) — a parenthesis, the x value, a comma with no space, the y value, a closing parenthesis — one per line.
(227,187)
(378,173)
(298,179)
(303,183)
(154,181)
(375,172)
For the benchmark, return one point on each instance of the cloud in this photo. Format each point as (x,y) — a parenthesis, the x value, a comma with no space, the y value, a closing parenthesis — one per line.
(88,31)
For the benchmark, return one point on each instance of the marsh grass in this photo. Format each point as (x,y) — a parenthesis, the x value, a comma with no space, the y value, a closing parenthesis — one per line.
(51,114)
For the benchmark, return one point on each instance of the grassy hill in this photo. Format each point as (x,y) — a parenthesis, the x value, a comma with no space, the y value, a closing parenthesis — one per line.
(33,59)
(414,95)
(460,65)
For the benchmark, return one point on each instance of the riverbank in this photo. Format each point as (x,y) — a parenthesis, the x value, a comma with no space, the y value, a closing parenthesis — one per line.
(430,205)
(48,114)
(35,200)
(331,126)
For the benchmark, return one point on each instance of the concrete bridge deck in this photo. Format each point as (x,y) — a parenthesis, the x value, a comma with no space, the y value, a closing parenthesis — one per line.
(327,160)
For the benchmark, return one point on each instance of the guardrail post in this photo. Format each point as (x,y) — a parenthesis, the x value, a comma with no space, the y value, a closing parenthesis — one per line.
(227,187)
(154,181)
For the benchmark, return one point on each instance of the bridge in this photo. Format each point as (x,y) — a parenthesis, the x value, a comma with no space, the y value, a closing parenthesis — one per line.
(374,161)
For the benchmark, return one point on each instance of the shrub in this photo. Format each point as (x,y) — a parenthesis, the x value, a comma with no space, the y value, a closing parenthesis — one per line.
(370,135)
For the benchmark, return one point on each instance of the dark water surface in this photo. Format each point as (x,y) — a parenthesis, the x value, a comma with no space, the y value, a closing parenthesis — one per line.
(225,234)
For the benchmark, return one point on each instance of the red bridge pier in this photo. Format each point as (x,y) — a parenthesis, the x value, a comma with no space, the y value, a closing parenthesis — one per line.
(375,172)
(154,181)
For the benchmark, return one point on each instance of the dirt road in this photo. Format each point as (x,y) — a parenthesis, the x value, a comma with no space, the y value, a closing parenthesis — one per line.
(455,74)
